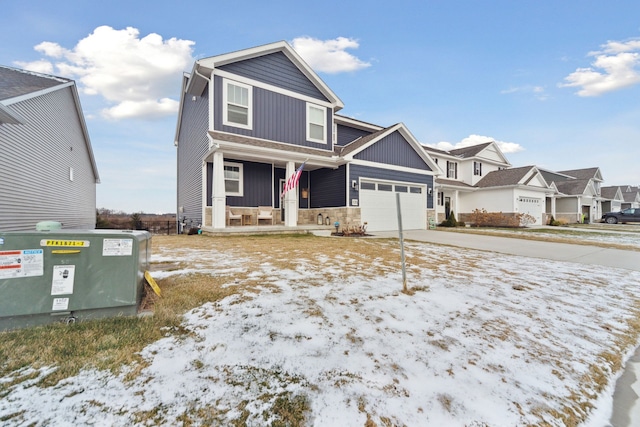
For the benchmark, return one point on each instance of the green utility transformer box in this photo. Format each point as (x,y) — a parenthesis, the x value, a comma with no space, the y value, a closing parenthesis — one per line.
(64,275)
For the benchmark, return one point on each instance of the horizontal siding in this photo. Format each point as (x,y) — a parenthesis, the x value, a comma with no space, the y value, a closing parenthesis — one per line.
(393,150)
(193,144)
(327,188)
(277,70)
(357,171)
(36,157)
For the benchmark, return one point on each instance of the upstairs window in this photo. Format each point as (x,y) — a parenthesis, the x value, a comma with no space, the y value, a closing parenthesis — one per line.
(452,170)
(237,104)
(477,168)
(316,123)
(233,179)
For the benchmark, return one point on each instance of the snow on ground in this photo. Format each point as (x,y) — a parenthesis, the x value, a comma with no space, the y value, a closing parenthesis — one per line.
(486,339)
(578,235)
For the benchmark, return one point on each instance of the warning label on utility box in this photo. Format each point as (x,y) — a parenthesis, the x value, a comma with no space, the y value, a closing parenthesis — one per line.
(21,263)
(117,247)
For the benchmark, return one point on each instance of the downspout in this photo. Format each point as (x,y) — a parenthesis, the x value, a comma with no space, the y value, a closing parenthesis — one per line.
(203,196)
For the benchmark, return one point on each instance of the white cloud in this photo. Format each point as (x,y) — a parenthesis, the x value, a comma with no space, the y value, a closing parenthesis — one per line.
(41,66)
(505,147)
(329,56)
(135,75)
(615,67)
(538,92)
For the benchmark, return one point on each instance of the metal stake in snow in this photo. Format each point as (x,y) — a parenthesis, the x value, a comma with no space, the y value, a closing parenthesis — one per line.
(404,270)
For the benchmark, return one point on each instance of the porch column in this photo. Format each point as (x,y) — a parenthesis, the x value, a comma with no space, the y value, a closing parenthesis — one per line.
(455,203)
(553,206)
(218,205)
(290,199)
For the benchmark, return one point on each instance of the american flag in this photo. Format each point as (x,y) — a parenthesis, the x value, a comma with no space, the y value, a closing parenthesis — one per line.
(292,182)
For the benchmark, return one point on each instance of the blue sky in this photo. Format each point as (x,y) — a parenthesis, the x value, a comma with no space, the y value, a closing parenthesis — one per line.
(556,84)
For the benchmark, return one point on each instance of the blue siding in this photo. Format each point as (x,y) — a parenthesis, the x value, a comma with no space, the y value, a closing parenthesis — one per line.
(193,144)
(277,70)
(393,150)
(357,171)
(327,188)
(276,117)
(302,183)
(348,134)
(256,185)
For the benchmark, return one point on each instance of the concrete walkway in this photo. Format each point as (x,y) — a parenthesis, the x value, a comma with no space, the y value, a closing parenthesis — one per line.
(583,254)
(626,401)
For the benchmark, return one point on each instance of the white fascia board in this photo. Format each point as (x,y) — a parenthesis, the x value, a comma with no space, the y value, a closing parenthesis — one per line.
(10,117)
(216,61)
(400,127)
(267,155)
(37,93)
(358,124)
(271,88)
(185,80)
(83,125)
(498,150)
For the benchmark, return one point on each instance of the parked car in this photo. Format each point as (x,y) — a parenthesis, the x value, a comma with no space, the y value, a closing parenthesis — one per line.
(627,215)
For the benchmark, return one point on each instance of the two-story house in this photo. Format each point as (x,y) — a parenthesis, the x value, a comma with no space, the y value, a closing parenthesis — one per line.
(249,119)
(480,177)
(48,169)
(578,197)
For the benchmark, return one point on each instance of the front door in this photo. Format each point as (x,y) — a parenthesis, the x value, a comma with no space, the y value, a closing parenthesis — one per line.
(447,207)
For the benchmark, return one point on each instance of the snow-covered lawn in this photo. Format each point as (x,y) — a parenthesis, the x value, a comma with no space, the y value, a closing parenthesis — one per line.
(483,340)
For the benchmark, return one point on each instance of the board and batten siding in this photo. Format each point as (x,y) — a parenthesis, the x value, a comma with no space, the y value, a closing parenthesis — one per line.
(276,117)
(393,150)
(193,144)
(37,159)
(346,134)
(277,70)
(327,188)
(358,171)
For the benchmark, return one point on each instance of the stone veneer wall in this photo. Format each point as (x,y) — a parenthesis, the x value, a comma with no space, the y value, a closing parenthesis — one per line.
(344,216)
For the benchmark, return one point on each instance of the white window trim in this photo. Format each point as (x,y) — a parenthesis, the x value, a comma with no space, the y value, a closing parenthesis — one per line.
(240,193)
(225,104)
(324,123)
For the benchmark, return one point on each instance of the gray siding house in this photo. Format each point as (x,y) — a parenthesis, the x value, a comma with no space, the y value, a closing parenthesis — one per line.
(48,169)
(249,119)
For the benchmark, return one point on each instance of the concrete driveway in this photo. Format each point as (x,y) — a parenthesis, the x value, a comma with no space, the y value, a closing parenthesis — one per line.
(583,254)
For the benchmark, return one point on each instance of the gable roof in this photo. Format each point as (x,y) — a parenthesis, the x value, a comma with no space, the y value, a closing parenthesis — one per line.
(573,187)
(18,85)
(470,152)
(15,82)
(203,68)
(588,173)
(611,193)
(360,144)
(513,176)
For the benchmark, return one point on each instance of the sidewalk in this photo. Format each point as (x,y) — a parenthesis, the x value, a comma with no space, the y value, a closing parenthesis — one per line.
(583,254)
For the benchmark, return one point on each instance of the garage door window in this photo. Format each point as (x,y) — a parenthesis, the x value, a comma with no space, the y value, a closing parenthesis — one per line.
(367,186)
(401,189)
(385,187)
(416,190)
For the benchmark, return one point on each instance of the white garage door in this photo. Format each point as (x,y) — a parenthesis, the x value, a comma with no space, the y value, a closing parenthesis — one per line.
(531,206)
(378,205)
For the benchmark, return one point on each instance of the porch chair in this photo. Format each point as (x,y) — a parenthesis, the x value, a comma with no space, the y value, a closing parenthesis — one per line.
(231,216)
(265,213)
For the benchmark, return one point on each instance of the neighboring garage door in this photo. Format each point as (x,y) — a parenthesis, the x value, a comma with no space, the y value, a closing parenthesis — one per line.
(378,205)
(531,206)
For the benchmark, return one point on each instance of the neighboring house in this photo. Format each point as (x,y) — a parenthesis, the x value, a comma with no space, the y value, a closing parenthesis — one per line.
(480,177)
(578,198)
(249,119)
(612,199)
(48,169)
(631,196)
